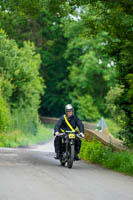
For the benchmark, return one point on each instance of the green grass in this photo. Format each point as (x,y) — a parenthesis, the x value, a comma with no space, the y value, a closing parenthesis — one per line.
(44,134)
(96,152)
(17,138)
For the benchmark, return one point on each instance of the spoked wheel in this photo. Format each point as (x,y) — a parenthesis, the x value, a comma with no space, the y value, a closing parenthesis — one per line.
(71,159)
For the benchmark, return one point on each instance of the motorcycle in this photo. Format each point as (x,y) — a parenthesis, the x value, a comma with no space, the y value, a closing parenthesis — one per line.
(68,148)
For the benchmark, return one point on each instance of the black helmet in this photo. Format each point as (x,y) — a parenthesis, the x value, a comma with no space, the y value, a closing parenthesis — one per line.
(68,107)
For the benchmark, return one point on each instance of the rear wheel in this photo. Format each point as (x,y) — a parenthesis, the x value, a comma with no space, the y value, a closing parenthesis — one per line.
(71,159)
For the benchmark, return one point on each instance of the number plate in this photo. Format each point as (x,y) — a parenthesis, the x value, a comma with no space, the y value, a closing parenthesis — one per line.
(71,136)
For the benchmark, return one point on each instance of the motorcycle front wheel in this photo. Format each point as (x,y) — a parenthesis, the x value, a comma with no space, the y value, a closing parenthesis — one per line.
(71,159)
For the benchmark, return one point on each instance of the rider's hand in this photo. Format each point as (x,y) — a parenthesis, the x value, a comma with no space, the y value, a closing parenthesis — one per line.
(82,134)
(57,133)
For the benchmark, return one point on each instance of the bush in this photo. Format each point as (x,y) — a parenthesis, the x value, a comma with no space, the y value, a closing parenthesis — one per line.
(113,127)
(5,116)
(120,161)
(126,134)
(25,120)
(96,152)
(18,138)
(114,110)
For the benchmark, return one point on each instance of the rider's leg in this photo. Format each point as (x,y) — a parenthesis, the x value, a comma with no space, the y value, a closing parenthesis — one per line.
(57,145)
(77,148)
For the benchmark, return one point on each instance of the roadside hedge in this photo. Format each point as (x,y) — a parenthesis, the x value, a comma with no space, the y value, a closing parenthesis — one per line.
(95,152)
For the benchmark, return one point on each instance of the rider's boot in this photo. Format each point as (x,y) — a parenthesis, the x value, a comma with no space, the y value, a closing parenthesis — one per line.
(76,157)
(57,156)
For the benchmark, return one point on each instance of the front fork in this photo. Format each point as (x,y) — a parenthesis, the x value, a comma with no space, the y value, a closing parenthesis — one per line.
(68,143)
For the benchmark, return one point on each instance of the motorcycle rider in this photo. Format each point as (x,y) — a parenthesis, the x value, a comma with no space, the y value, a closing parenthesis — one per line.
(62,125)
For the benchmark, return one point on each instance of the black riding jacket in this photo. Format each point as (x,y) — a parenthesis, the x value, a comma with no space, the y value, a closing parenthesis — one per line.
(73,120)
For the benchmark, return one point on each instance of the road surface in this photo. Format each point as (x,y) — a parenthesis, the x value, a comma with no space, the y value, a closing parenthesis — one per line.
(33,174)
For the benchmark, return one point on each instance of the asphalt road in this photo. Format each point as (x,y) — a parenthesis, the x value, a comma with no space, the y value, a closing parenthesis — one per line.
(33,174)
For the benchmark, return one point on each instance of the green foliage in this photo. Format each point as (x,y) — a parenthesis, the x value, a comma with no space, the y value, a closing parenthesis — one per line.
(96,152)
(51,126)
(122,161)
(86,109)
(25,120)
(117,21)
(42,24)
(20,69)
(43,28)
(11,140)
(89,63)
(85,47)
(129,78)
(18,138)
(21,86)
(111,100)
(126,134)
(5,116)
(114,127)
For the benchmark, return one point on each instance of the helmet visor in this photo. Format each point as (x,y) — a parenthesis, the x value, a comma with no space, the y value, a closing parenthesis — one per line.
(69,110)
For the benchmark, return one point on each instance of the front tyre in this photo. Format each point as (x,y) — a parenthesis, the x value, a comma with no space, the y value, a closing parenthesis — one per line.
(71,159)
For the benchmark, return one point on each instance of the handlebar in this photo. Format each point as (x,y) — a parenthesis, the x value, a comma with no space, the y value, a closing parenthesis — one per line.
(70,131)
(78,134)
(62,134)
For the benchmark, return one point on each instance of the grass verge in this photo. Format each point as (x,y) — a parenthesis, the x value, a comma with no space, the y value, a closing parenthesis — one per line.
(96,152)
(17,138)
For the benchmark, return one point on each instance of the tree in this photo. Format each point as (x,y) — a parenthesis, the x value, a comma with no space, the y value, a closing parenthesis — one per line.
(21,84)
(92,70)
(80,43)
(113,108)
(118,22)
(20,69)
(41,25)
(86,109)
(115,18)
